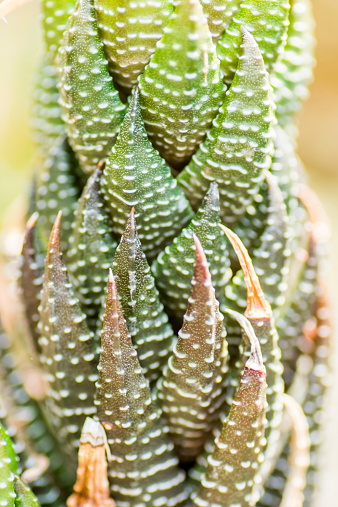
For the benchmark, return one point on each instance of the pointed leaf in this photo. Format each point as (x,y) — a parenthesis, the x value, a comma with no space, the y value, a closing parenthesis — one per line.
(230,476)
(136,176)
(191,386)
(143,467)
(293,73)
(31,278)
(24,496)
(146,320)
(174,267)
(91,106)
(69,354)
(181,89)
(237,150)
(92,248)
(91,487)
(129,31)
(57,191)
(219,14)
(267,22)
(9,449)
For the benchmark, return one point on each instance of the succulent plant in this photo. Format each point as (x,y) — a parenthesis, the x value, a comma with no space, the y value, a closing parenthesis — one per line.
(173,311)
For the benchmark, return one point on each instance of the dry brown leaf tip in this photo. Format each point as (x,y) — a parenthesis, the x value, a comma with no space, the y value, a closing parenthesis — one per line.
(91,488)
(257,306)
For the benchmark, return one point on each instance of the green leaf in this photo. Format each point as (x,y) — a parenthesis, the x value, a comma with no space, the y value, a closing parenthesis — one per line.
(293,73)
(191,388)
(267,21)
(237,150)
(7,494)
(230,475)
(57,191)
(91,106)
(129,31)
(143,467)
(298,312)
(136,176)
(219,14)
(46,122)
(181,89)
(55,14)
(24,495)
(69,353)
(30,280)
(146,320)
(9,449)
(92,248)
(174,267)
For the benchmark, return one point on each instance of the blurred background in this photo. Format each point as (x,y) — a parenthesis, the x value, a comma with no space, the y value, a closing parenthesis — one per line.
(20,48)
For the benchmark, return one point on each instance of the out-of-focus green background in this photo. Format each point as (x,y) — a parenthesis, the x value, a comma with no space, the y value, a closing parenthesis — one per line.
(20,48)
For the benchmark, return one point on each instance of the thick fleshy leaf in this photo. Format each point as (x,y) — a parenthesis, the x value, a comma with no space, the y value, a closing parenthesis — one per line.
(55,14)
(129,31)
(267,21)
(91,487)
(57,191)
(9,450)
(143,467)
(24,497)
(91,106)
(46,122)
(69,353)
(142,309)
(293,73)
(174,267)
(237,150)
(181,89)
(30,280)
(291,322)
(230,475)
(6,477)
(92,249)
(136,176)
(219,14)
(191,388)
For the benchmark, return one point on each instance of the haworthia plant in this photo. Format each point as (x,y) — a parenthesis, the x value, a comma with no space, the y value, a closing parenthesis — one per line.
(129,31)
(136,176)
(237,150)
(181,89)
(157,122)
(91,107)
